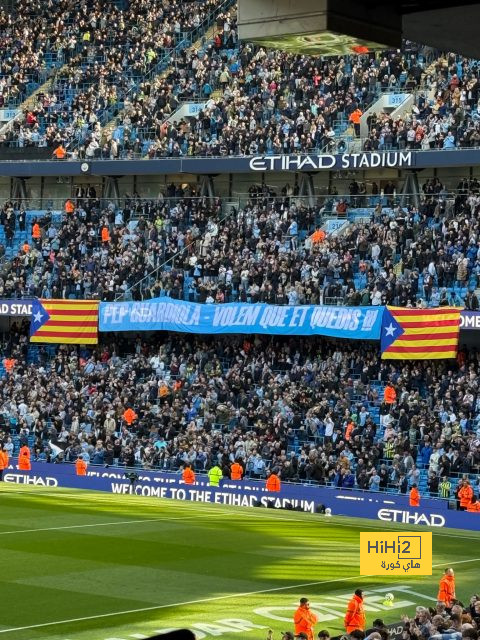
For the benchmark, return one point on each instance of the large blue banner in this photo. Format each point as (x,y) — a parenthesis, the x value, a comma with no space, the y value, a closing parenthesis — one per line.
(248,493)
(167,314)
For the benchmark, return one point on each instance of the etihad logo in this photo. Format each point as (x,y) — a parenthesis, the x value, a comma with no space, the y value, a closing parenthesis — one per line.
(330,161)
(405,517)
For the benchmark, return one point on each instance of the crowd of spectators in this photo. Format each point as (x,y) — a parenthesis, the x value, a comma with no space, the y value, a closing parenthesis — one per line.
(254,101)
(270,250)
(271,101)
(447,120)
(107,51)
(29,34)
(460,620)
(96,252)
(310,409)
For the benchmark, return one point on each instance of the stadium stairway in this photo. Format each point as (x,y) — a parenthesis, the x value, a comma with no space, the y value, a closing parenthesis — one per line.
(163,67)
(53,68)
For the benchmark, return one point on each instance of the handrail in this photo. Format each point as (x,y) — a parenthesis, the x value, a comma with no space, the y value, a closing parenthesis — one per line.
(357,201)
(152,273)
(311,151)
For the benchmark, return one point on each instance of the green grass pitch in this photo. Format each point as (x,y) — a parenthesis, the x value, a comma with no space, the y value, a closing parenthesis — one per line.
(81,565)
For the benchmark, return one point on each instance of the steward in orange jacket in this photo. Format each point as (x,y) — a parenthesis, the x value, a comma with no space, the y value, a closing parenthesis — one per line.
(273,483)
(446,588)
(236,471)
(389,395)
(129,416)
(105,234)
(24,459)
(36,233)
(3,462)
(69,207)
(474,506)
(81,467)
(355,616)
(9,363)
(304,619)
(414,496)
(465,494)
(188,476)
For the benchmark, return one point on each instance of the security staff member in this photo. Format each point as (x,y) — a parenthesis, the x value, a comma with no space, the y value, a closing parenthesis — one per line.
(188,476)
(236,471)
(446,588)
(3,461)
(214,476)
(24,459)
(444,487)
(355,617)
(81,466)
(273,482)
(414,496)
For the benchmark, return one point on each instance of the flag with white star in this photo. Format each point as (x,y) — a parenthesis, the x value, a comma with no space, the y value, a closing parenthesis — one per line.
(391,330)
(64,321)
(420,334)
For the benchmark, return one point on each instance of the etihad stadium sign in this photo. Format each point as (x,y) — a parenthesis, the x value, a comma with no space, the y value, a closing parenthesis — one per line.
(371,160)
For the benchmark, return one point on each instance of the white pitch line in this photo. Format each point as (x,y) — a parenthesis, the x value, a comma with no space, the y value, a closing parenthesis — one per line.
(108,524)
(189,506)
(212,599)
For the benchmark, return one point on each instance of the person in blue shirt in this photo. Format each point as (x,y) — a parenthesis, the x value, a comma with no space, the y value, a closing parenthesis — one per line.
(449,141)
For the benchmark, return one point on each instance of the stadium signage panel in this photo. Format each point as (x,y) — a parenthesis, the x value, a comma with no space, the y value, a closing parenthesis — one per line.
(407,517)
(250,493)
(470,320)
(370,160)
(15,308)
(419,159)
(167,314)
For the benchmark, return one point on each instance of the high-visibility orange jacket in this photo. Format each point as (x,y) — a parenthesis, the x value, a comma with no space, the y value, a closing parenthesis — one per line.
(355,616)
(348,430)
(36,233)
(129,416)
(105,234)
(24,459)
(304,621)
(414,497)
(465,494)
(236,471)
(9,363)
(59,153)
(81,467)
(474,507)
(69,206)
(273,482)
(389,395)
(3,460)
(188,476)
(318,236)
(446,590)
(355,116)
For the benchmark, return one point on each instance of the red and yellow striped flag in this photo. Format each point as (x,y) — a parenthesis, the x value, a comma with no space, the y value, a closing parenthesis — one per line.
(64,321)
(420,334)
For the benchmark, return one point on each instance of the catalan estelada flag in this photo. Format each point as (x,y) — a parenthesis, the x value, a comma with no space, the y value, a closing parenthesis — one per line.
(64,321)
(420,334)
